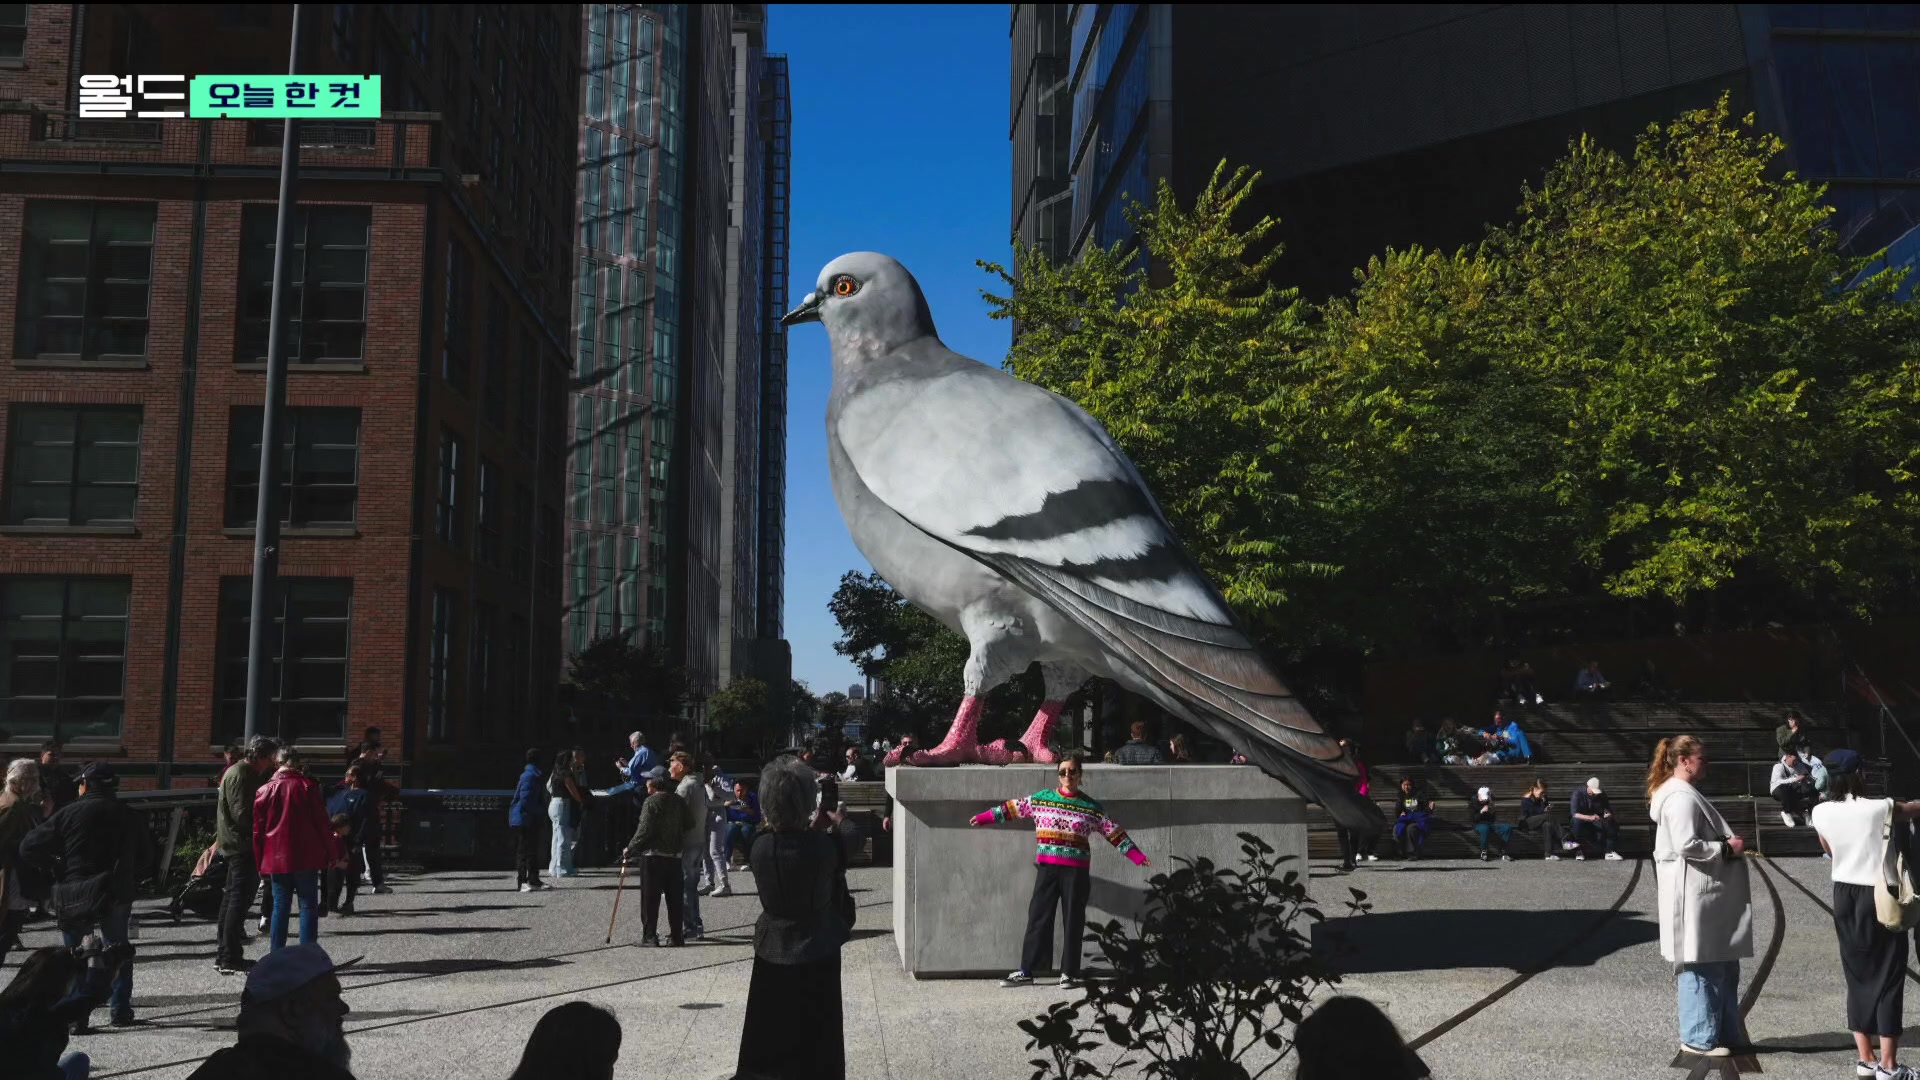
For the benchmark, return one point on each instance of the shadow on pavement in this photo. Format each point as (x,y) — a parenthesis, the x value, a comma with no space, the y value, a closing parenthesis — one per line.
(427,931)
(450,967)
(1473,938)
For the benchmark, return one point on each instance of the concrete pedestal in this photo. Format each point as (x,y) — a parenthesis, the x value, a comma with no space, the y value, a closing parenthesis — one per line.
(960,894)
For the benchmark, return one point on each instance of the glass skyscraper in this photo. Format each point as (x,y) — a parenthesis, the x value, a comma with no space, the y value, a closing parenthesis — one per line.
(1377,125)
(656,295)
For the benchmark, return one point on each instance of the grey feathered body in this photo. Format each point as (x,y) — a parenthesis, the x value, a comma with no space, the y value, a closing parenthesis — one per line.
(1007,513)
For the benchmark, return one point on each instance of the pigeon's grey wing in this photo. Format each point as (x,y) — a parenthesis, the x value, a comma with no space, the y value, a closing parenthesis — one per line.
(1027,482)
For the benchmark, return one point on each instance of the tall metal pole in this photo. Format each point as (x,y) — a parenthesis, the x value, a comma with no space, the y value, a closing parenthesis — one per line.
(266,514)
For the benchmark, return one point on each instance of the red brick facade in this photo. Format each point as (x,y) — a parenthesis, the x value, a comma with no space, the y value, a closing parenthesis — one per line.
(199,175)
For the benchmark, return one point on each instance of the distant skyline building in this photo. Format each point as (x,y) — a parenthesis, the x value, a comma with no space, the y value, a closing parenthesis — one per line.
(666,507)
(1395,125)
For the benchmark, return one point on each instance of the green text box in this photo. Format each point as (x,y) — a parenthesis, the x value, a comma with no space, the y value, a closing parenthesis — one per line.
(338,97)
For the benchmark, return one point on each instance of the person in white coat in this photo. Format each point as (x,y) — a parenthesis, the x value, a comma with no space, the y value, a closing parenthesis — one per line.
(1706,910)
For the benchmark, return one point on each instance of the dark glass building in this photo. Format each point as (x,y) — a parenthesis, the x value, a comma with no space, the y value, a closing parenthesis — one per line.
(1393,125)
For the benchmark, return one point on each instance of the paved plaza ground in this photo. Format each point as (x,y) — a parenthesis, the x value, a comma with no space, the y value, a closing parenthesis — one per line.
(1521,971)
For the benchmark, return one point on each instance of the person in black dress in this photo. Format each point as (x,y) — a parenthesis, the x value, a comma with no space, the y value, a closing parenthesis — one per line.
(794,1028)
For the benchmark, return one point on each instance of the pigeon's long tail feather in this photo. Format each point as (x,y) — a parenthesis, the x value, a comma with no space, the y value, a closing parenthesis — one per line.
(1212,675)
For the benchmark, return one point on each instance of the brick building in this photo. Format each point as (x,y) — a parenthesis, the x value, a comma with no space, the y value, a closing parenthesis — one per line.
(425,442)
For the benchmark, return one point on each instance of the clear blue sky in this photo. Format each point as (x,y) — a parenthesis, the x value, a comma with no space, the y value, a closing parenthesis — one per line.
(899,146)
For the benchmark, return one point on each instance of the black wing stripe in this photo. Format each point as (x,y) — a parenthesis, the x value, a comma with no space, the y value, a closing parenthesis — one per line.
(1089,505)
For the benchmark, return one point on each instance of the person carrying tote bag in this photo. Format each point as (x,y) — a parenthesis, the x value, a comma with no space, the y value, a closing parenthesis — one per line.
(1859,834)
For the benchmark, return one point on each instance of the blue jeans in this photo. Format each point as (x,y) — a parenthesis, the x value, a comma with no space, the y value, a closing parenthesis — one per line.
(739,837)
(560,858)
(113,930)
(1710,1004)
(307,884)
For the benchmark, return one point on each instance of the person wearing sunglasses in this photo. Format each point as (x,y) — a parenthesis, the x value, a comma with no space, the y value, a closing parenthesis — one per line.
(1064,821)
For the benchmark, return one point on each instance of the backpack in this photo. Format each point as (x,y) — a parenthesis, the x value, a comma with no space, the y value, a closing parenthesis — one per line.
(1896,899)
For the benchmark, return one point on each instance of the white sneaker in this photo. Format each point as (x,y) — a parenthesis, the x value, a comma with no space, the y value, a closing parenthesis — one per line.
(1569,845)
(1582,857)
(1787,819)
(1373,858)
(263,924)
(1553,858)
(1863,1070)
(1716,1051)
(526,888)
(1898,1072)
(1614,856)
(721,891)
(1504,857)
(1017,978)
(1068,982)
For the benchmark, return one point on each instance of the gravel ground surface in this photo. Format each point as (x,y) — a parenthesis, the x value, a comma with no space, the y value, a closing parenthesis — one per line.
(1518,971)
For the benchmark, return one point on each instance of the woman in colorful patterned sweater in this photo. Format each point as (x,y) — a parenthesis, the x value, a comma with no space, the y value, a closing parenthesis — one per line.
(1063,823)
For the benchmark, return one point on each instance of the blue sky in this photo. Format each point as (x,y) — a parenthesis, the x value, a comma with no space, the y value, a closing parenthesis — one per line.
(899,146)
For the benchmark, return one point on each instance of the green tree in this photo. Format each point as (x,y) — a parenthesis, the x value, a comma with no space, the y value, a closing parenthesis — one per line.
(803,707)
(741,713)
(614,679)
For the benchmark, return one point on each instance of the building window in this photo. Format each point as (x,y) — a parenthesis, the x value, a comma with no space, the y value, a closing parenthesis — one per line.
(326,283)
(447,513)
(422,33)
(529,393)
(487,510)
(493,395)
(486,676)
(307,683)
(13,31)
(440,663)
(345,45)
(319,467)
(520,559)
(457,332)
(514,665)
(63,672)
(73,465)
(85,270)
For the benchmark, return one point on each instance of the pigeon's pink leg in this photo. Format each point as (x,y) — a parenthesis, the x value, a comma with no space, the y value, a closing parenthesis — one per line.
(962,744)
(1001,752)
(1038,732)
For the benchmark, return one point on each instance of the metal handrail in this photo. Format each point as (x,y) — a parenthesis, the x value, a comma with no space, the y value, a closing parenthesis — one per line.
(1886,714)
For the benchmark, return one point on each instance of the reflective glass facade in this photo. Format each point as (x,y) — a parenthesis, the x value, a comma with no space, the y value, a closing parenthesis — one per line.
(1845,89)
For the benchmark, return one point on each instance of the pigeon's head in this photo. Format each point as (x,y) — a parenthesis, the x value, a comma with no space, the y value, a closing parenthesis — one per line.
(866,301)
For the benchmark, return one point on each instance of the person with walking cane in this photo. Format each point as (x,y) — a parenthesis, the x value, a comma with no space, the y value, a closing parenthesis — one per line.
(1064,820)
(1706,909)
(658,845)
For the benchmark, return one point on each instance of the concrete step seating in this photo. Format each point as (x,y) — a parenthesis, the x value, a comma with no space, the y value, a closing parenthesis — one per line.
(1615,743)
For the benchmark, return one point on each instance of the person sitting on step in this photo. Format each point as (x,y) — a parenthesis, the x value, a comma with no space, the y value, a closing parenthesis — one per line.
(1536,817)
(1792,787)
(1486,824)
(1592,818)
(1415,820)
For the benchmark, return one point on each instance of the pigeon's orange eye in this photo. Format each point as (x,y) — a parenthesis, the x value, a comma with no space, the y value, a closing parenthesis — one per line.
(845,286)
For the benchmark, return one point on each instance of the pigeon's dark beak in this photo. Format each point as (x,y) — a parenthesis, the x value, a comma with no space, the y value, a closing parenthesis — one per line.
(808,311)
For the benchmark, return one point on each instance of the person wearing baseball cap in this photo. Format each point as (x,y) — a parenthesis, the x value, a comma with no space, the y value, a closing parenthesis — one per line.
(103,848)
(1852,829)
(1592,820)
(292,1021)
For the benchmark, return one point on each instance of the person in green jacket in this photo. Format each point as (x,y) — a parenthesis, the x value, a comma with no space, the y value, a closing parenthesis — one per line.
(664,823)
(233,832)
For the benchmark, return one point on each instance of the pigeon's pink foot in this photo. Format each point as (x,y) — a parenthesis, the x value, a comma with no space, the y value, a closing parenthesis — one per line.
(892,758)
(1040,731)
(1000,752)
(962,745)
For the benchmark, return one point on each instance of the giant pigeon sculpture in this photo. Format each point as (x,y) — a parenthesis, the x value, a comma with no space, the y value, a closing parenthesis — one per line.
(1007,513)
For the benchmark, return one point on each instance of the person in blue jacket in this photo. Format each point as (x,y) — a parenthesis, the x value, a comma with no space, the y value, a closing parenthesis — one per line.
(524,815)
(1506,743)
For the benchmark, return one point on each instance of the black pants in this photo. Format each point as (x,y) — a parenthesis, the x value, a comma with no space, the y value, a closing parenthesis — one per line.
(1548,829)
(243,880)
(11,923)
(526,853)
(660,876)
(342,885)
(1354,844)
(1054,888)
(1874,960)
(1603,834)
(1797,798)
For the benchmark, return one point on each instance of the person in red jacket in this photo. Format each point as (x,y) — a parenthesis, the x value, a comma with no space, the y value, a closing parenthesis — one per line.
(294,841)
